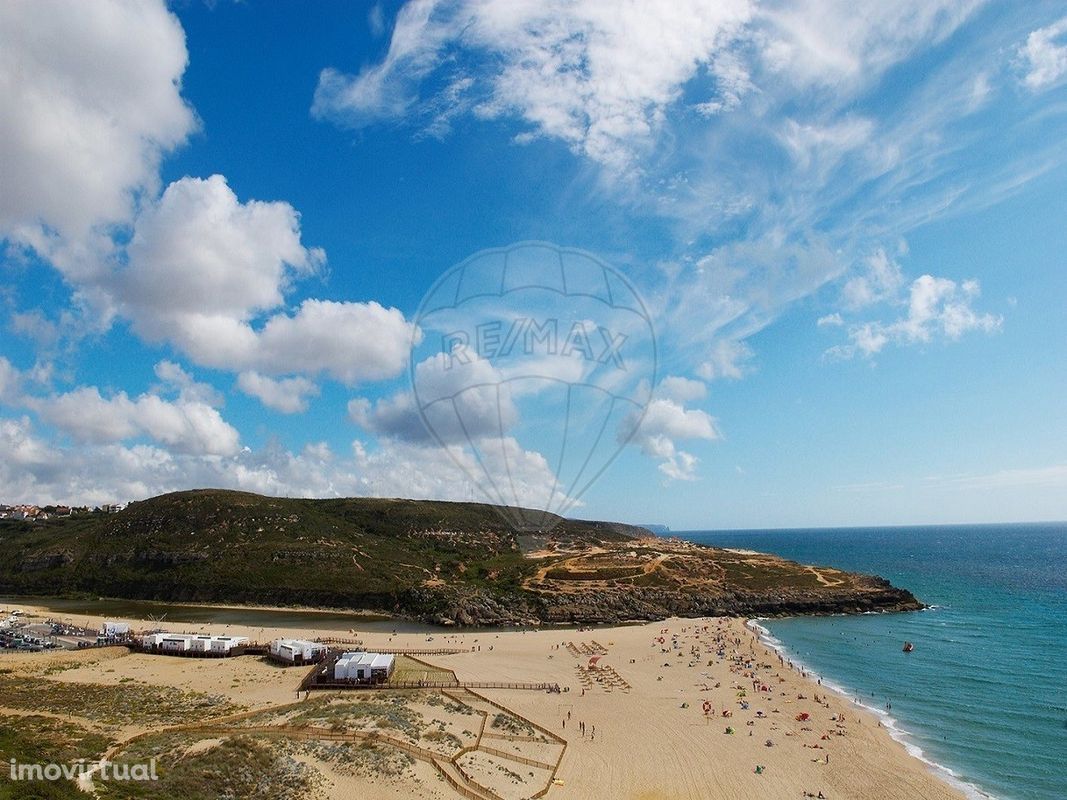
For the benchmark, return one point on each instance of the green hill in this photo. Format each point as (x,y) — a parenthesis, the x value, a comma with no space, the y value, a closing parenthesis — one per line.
(432,560)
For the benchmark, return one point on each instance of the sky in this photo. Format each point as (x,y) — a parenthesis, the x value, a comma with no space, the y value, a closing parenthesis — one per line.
(846,226)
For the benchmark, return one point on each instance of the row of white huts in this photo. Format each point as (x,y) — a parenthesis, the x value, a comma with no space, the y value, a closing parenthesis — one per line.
(192,643)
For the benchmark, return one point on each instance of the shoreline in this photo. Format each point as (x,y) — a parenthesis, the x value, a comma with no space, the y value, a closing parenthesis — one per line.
(888,721)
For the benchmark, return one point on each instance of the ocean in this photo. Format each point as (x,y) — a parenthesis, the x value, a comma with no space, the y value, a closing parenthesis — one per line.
(983,697)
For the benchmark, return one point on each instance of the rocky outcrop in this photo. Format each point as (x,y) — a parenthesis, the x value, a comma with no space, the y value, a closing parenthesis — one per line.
(467,607)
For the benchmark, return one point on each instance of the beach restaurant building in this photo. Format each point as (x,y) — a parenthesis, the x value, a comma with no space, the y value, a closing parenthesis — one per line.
(364,667)
(297,651)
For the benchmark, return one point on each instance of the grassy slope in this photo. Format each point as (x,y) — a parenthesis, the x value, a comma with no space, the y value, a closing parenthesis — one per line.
(222,545)
(428,559)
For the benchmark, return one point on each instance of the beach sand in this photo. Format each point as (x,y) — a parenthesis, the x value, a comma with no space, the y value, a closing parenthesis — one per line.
(652,741)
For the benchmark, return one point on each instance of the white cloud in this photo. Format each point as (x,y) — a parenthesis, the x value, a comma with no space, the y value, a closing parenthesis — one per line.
(205,267)
(597,76)
(935,307)
(826,43)
(834,320)
(664,424)
(706,311)
(200,250)
(93,102)
(461,402)
(189,389)
(186,427)
(681,389)
(821,146)
(1044,56)
(881,279)
(288,395)
(351,342)
(601,77)
(376,20)
(32,469)
(506,474)
(35,470)
(724,358)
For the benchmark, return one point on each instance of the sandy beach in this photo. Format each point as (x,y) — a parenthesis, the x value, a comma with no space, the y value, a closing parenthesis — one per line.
(684,708)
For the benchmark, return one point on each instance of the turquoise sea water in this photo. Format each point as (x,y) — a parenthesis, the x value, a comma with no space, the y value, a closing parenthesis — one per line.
(984,694)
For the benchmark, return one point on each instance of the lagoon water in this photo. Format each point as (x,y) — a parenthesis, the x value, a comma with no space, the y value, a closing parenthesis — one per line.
(984,694)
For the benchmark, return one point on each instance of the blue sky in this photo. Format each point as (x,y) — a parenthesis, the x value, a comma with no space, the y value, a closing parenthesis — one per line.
(218,221)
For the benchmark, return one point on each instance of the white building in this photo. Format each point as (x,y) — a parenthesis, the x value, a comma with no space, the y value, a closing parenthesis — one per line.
(224,644)
(297,651)
(191,642)
(116,629)
(340,668)
(174,644)
(364,667)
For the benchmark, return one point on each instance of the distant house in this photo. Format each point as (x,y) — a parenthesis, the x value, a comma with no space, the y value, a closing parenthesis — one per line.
(297,651)
(364,667)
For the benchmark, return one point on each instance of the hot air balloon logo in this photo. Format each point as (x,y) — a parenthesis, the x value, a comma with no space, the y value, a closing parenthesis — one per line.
(533,366)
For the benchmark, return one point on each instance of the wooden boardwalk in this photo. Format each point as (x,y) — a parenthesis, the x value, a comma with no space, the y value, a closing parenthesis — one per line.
(334,685)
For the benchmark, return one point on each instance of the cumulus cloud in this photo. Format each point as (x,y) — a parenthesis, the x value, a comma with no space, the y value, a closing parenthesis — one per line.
(935,307)
(201,270)
(34,469)
(185,426)
(665,423)
(199,249)
(288,395)
(97,92)
(1043,56)
(209,274)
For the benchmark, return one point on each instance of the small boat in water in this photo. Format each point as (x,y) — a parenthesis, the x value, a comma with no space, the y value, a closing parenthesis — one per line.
(908,647)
